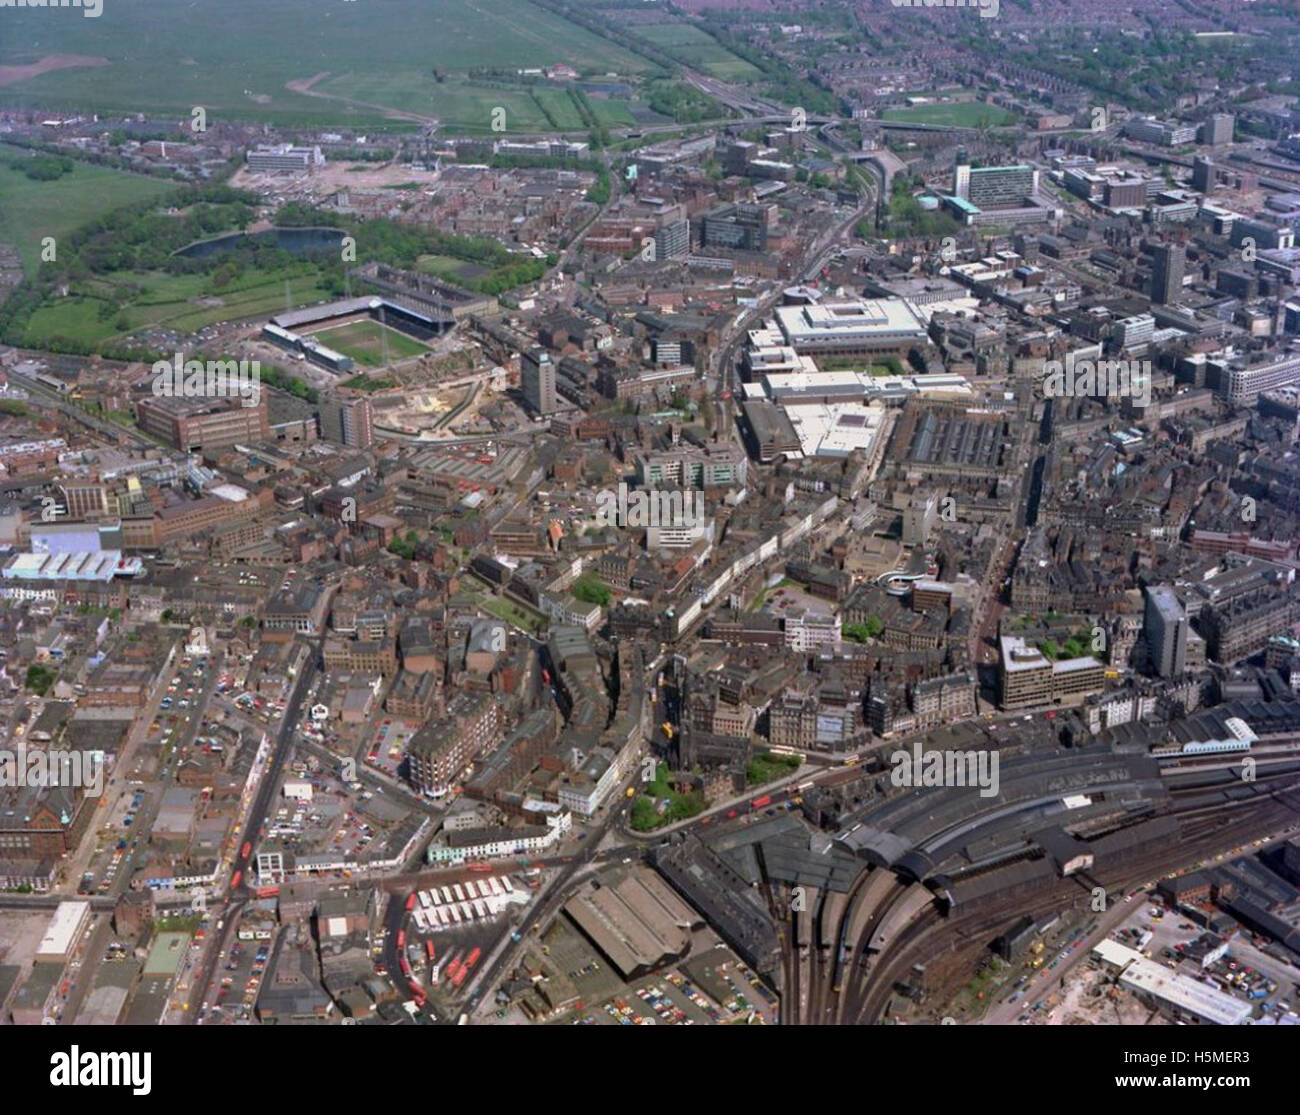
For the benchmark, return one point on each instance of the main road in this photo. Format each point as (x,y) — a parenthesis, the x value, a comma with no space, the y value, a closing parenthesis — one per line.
(721,364)
(238,896)
(550,898)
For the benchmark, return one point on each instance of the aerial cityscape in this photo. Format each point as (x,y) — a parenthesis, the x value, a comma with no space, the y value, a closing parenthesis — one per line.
(649,512)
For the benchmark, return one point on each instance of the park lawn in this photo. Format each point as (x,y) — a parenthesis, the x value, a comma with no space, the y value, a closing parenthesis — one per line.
(471,583)
(459,104)
(365,383)
(889,366)
(730,68)
(476,276)
(668,35)
(168,301)
(32,210)
(251,297)
(645,817)
(766,767)
(75,318)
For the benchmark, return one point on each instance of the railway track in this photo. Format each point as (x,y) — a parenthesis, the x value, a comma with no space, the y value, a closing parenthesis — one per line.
(963,939)
(883,932)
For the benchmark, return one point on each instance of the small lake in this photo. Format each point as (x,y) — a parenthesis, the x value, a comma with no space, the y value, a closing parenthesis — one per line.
(297,240)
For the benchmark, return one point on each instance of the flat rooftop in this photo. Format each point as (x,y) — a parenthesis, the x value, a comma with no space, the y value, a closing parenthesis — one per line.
(1179,991)
(166,954)
(863,319)
(83,565)
(835,429)
(782,386)
(1017,655)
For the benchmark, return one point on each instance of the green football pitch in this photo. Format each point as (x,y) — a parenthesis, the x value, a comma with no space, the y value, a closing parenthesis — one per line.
(364,342)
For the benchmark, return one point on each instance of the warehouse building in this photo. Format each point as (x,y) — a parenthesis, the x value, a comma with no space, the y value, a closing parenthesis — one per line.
(1178,994)
(635,920)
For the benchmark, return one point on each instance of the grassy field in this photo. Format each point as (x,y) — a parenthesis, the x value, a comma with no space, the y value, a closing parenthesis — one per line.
(364,342)
(561,107)
(364,383)
(182,302)
(514,613)
(465,107)
(171,55)
(697,48)
(971,115)
(461,105)
(478,276)
(613,113)
(889,366)
(450,268)
(31,210)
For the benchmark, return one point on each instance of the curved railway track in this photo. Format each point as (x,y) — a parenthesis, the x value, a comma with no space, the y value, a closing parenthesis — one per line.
(888,925)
